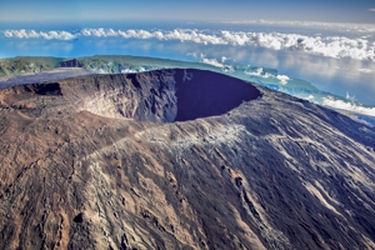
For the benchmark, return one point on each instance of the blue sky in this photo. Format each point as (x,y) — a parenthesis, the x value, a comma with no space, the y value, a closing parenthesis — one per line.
(195,10)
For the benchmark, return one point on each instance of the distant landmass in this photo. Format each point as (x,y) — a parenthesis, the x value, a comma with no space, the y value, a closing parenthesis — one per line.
(176,159)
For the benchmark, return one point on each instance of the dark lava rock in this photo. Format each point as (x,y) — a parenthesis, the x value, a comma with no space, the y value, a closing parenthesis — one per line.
(178,159)
(78,218)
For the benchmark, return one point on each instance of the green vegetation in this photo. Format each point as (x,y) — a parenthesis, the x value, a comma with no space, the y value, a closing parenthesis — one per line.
(24,65)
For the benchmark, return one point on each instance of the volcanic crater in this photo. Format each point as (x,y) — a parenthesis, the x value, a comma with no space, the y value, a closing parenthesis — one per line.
(168,95)
(156,96)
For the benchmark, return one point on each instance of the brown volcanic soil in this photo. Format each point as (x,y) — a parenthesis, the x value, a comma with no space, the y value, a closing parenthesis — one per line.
(120,162)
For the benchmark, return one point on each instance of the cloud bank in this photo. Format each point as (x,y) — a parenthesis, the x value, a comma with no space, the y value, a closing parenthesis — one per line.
(49,35)
(330,46)
(344,105)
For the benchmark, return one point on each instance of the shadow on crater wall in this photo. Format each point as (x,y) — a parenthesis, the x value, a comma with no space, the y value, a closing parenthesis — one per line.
(202,94)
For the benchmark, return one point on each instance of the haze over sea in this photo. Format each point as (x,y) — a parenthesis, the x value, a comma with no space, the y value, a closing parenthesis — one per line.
(336,58)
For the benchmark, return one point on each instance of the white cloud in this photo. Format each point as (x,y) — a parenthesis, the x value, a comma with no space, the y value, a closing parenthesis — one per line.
(213,62)
(257,72)
(366,71)
(371,10)
(350,97)
(310,98)
(330,46)
(29,34)
(60,35)
(283,79)
(340,104)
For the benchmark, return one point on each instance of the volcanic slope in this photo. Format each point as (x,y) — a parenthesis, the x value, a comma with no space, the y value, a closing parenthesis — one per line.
(180,159)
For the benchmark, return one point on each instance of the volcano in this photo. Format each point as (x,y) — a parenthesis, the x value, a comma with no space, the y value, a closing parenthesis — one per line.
(180,159)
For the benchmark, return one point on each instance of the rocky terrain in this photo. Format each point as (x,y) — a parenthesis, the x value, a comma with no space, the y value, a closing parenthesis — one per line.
(180,159)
